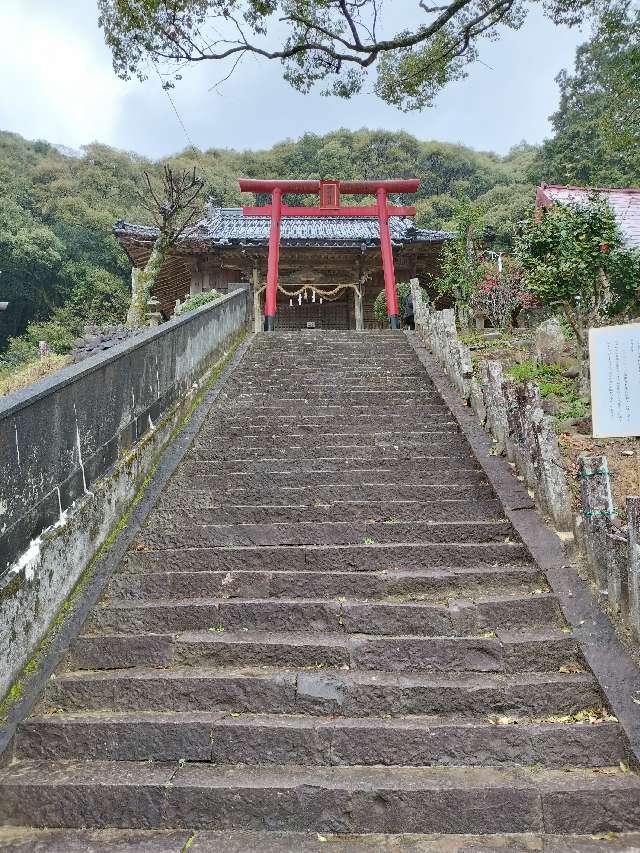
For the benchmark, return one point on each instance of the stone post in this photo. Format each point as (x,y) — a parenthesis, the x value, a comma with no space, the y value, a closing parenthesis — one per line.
(491,378)
(446,334)
(476,400)
(154,317)
(420,308)
(358,308)
(633,564)
(553,480)
(597,508)
(258,320)
(617,578)
(528,410)
(462,367)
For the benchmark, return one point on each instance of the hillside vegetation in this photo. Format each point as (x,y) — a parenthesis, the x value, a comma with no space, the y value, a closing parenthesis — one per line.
(60,266)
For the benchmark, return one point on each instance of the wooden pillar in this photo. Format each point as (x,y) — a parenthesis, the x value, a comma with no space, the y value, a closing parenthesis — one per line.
(387,260)
(271,292)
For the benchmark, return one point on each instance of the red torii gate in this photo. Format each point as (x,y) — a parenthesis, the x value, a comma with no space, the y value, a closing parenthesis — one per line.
(329,195)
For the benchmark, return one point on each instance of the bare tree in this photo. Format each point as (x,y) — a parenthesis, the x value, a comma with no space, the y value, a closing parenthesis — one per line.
(172,204)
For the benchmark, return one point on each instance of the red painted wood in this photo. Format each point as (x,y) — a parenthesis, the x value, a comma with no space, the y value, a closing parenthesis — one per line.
(276,210)
(330,194)
(386,250)
(351,187)
(252,185)
(271,290)
(325,211)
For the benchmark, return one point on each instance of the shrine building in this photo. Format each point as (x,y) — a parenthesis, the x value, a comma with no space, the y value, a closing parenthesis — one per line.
(307,267)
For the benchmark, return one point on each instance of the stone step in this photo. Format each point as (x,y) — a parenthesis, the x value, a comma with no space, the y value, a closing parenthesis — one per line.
(337,397)
(448,447)
(195,535)
(320,799)
(342,421)
(397,468)
(288,381)
(358,693)
(316,512)
(295,477)
(28,840)
(404,411)
(456,582)
(258,436)
(290,495)
(284,384)
(460,617)
(502,651)
(263,739)
(224,445)
(353,558)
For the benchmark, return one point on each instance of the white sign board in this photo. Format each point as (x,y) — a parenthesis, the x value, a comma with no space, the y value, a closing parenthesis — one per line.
(614,356)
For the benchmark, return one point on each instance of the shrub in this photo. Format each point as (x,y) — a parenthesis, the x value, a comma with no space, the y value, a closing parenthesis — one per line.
(500,293)
(197,300)
(380,304)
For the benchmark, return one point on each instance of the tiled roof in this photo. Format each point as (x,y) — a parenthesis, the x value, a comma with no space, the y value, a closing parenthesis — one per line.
(227,226)
(625,204)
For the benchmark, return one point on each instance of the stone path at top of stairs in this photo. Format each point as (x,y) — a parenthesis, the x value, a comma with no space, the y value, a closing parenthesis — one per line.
(325,636)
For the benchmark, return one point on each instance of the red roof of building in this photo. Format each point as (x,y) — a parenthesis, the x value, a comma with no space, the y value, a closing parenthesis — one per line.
(625,204)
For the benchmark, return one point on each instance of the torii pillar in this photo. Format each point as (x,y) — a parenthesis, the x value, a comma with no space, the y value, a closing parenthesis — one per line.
(329,196)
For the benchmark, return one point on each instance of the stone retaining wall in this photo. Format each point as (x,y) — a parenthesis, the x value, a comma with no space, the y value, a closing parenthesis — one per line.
(513,416)
(611,549)
(511,413)
(75,448)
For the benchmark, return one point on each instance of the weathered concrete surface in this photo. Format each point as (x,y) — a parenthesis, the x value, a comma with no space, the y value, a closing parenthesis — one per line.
(75,449)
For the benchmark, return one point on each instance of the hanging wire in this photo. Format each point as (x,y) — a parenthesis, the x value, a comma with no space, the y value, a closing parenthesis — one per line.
(181,122)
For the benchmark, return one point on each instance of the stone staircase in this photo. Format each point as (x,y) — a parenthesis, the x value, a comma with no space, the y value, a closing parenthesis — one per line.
(326,627)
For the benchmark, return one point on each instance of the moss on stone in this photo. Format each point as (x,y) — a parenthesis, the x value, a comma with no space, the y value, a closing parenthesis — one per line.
(19,686)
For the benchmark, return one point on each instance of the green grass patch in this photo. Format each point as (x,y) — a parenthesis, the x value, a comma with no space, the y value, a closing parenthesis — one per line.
(551,382)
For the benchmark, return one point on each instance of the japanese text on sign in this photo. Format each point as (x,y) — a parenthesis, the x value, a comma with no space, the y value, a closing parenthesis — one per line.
(614,356)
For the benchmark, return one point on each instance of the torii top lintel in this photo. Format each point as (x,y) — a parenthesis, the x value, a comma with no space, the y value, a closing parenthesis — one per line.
(329,193)
(329,205)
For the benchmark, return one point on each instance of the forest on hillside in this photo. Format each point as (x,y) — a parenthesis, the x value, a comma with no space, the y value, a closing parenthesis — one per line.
(60,266)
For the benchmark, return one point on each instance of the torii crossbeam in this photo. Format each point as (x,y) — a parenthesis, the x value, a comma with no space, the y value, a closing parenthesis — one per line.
(329,193)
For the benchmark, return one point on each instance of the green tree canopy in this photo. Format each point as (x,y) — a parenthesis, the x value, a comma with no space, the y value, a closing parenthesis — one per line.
(596,138)
(574,257)
(333,42)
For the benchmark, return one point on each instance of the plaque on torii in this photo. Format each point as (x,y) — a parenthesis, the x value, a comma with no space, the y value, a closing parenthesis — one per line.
(329,193)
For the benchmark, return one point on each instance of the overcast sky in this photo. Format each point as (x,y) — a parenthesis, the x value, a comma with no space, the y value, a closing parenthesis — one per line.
(58,84)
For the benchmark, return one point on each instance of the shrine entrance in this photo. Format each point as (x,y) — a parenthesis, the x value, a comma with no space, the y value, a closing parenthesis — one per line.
(329,194)
(344,256)
(312,306)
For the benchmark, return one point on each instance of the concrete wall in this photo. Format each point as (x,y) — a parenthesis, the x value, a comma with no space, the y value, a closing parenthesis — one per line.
(73,451)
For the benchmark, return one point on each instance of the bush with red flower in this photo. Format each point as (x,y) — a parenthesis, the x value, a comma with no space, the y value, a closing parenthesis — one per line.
(501,293)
